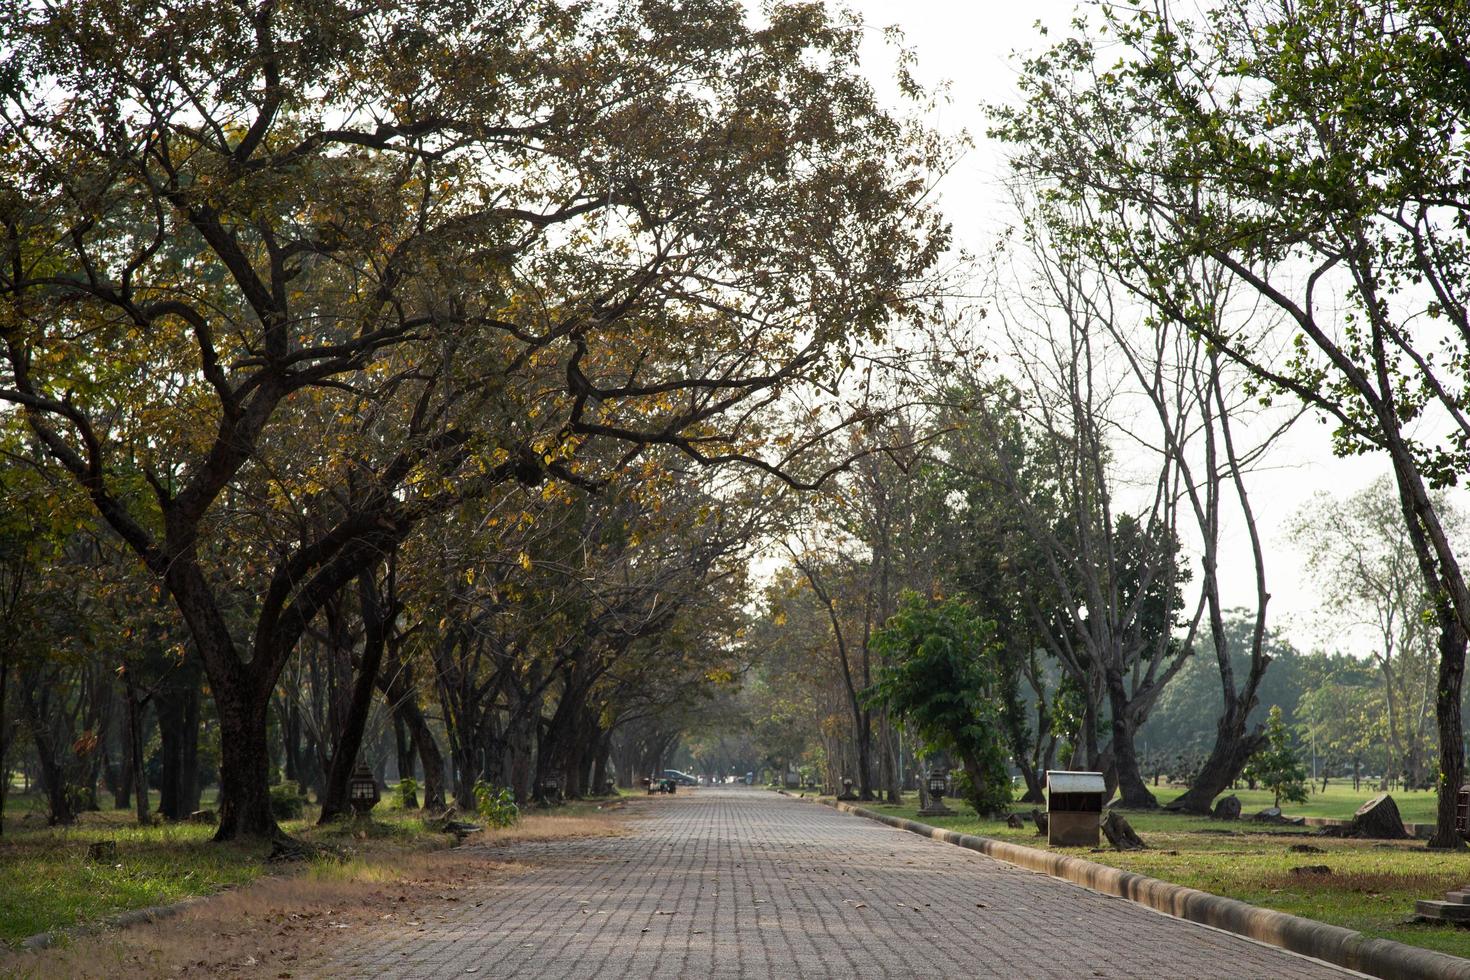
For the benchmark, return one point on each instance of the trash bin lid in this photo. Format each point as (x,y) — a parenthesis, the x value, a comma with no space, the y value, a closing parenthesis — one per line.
(1063,781)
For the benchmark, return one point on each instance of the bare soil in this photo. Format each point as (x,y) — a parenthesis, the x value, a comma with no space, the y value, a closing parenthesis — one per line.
(278,925)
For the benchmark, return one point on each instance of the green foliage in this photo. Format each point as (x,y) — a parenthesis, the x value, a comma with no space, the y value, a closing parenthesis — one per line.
(1278,766)
(287,803)
(496,805)
(939,673)
(407,793)
(482,284)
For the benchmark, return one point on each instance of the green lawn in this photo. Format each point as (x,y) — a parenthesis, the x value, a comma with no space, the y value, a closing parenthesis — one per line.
(1415,806)
(1372,887)
(47,881)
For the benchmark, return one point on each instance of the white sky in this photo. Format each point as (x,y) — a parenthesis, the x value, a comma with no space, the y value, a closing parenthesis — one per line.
(969,46)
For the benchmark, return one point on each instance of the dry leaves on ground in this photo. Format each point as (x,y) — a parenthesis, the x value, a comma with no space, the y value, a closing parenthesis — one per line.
(277,926)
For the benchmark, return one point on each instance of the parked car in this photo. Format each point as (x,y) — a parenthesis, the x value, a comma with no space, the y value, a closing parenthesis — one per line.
(682,778)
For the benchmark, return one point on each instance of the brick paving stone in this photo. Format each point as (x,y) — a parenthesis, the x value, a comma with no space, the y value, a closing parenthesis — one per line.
(744,883)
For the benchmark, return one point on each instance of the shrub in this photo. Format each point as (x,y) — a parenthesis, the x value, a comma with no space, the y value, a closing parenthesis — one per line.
(496,805)
(407,794)
(287,803)
(1277,765)
(938,672)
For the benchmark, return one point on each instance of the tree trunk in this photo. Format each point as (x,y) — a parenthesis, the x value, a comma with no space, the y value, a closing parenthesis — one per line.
(136,762)
(466,771)
(1035,792)
(288,713)
(124,798)
(395,682)
(1135,792)
(521,739)
(190,786)
(1447,715)
(245,802)
(335,801)
(53,768)
(1232,749)
(888,760)
(177,706)
(865,755)
(403,750)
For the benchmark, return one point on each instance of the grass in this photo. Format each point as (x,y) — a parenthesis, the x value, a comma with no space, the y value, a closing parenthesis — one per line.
(1339,801)
(277,926)
(48,882)
(1372,886)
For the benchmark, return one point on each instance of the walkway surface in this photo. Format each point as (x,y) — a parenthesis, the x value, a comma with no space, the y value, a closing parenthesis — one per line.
(745,883)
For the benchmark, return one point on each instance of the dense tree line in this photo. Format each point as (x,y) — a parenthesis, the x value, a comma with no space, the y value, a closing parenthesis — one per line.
(1224,219)
(388,354)
(524,393)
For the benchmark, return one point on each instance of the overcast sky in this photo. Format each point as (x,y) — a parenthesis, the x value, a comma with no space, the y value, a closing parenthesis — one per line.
(970,46)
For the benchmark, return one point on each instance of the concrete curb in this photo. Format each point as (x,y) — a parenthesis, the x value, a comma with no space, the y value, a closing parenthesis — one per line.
(152,913)
(1342,947)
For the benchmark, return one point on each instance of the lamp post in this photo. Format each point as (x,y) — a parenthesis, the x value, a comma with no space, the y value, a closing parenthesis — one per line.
(938,785)
(363,790)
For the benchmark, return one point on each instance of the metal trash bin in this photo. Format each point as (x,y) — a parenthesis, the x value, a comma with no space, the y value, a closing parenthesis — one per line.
(1074,802)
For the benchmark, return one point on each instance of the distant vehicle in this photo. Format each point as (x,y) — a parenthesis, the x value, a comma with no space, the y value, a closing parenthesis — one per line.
(682,778)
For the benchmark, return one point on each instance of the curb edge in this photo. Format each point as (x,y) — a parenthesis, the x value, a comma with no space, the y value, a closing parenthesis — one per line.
(1348,948)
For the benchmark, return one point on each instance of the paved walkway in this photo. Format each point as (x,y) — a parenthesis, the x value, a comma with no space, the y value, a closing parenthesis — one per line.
(745,883)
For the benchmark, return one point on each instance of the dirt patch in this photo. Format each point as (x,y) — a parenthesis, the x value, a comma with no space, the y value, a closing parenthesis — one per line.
(278,926)
(535,828)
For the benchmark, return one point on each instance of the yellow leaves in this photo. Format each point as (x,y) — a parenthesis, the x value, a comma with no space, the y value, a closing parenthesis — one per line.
(525,561)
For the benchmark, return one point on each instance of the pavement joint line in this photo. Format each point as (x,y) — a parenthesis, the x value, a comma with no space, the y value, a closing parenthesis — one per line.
(1347,948)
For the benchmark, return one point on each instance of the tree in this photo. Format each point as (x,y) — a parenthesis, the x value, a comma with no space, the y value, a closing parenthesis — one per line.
(1305,150)
(1278,765)
(1112,598)
(1360,554)
(1346,723)
(938,673)
(361,264)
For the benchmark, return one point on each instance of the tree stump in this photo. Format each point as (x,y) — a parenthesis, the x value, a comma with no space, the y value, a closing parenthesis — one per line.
(1272,814)
(1228,808)
(1123,838)
(1040,819)
(1378,819)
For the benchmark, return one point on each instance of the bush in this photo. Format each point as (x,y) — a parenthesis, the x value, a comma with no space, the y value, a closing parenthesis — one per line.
(287,803)
(939,673)
(407,794)
(496,806)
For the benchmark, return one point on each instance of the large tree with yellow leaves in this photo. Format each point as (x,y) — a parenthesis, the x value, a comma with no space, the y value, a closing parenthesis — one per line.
(281,279)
